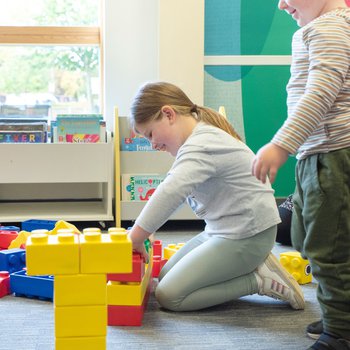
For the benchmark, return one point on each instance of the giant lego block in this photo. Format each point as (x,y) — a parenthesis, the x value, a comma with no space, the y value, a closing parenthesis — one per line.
(80,343)
(138,271)
(33,224)
(157,248)
(9,228)
(171,249)
(82,289)
(4,283)
(20,240)
(158,264)
(6,237)
(131,293)
(64,225)
(128,315)
(53,254)
(12,260)
(40,287)
(81,321)
(105,253)
(298,267)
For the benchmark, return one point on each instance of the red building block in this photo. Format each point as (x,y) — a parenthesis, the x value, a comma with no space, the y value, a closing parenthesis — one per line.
(122,315)
(6,237)
(157,248)
(158,264)
(138,271)
(4,283)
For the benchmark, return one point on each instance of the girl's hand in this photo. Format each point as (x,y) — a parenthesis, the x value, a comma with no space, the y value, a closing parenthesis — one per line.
(140,248)
(138,236)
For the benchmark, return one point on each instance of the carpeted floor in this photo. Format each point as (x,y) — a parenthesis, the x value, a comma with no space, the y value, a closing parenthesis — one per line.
(253,322)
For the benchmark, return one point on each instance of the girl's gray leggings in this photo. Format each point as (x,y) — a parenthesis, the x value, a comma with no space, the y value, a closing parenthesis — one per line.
(210,270)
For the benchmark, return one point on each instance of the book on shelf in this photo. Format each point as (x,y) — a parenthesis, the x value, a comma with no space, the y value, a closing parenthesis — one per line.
(139,187)
(11,136)
(23,130)
(135,142)
(79,128)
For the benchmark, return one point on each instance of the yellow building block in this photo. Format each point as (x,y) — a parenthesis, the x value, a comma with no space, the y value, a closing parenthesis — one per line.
(105,253)
(131,293)
(81,343)
(75,290)
(52,254)
(171,249)
(298,267)
(116,229)
(61,224)
(19,240)
(80,321)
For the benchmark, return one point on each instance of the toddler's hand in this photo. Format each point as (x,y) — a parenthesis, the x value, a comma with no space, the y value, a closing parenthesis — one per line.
(267,162)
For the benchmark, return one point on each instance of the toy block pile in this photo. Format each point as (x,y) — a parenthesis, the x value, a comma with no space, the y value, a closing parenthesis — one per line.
(127,294)
(80,264)
(13,260)
(298,267)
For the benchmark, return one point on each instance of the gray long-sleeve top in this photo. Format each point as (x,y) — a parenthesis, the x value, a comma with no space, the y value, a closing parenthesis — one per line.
(212,171)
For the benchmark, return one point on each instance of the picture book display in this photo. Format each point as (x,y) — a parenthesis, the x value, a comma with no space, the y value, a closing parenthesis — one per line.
(79,128)
(140,187)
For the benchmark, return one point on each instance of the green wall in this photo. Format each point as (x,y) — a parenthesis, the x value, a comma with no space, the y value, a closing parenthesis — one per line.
(254,96)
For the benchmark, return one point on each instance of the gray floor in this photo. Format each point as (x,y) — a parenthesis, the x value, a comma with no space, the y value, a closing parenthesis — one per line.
(252,322)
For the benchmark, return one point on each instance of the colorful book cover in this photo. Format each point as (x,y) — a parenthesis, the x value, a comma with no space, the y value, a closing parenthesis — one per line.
(23,130)
(140,187)
(78,128)
(11,136)
(136,144)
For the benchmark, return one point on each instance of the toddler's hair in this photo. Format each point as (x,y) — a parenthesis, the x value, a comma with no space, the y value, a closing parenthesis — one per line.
(152,97)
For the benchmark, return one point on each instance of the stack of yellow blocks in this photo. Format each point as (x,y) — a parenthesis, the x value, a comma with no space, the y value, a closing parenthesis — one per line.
(80,264)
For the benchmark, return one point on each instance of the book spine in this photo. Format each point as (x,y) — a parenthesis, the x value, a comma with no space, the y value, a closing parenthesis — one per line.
(102,131)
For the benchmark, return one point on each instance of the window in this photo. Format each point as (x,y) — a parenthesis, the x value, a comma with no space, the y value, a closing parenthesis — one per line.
(50,57)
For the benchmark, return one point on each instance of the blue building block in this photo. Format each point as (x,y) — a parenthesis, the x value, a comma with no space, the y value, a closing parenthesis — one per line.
(9,228)
(12,260)
(40,287)
(30,225)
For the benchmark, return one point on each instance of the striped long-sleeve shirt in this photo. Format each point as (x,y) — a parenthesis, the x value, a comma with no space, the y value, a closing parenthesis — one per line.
(319,88)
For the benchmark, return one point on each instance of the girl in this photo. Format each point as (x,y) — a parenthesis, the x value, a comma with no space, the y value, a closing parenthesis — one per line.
(232,257)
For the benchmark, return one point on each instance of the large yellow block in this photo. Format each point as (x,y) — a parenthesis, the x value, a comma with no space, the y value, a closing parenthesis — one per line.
(21,239)
(81,343)
(298,267)
(171,249)
(80,321)
(105,253)
(52,254)
(131,293)
(63,225)
(74,290)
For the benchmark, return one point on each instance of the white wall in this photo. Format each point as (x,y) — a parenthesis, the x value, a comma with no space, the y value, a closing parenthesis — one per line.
(181,43)
(130,50)
(148,40)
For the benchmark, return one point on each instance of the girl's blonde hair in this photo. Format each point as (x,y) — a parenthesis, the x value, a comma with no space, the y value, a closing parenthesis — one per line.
(152,97)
